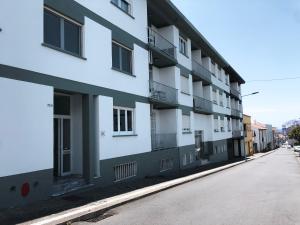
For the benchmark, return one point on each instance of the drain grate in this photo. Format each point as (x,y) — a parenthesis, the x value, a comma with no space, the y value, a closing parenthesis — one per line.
(101,217)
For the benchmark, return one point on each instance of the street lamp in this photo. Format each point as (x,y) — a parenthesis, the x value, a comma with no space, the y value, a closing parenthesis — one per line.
(254,93)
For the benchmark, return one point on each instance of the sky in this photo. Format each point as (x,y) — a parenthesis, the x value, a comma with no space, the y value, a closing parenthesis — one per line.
(260,39)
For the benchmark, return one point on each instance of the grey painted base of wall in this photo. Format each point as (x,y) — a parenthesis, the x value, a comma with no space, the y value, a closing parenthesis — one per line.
(40,188)
(148,164)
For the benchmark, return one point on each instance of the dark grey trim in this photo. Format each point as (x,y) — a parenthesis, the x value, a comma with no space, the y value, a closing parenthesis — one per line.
(183,70)
(40,188)
(185,109)
(67,85)
(89,137)
(77,12)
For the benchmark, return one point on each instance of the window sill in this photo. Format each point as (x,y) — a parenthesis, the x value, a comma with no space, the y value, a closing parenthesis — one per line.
(184,54)
(185,93)
(125,135)
(121,71)
(187,132)
(63,51)
(128,14)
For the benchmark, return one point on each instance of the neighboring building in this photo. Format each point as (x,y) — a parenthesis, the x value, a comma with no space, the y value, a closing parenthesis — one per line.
(269,137)
(248,135)
(92,97)
(259,137)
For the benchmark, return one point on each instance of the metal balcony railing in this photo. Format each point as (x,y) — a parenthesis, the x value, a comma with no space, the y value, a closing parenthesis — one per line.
(163,141)
(202,104)
(237,133)
(201,71)
(163,93)
(236,113)
(158,41)
(235,92)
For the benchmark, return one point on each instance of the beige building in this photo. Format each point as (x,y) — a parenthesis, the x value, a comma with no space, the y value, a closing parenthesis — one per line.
(248,135)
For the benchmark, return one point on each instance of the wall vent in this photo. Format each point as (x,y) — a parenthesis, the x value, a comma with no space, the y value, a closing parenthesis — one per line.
(125,171)
(166,164)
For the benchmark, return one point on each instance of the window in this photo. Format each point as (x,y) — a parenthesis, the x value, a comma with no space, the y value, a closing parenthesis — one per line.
(183,46)
(121,58)
(123,5)
(222,125)
(221,98)
(228,101)
(215,96)
(122,121)
(228,125)
(213,68)
(62,33)
(216,124)
(185,85)
(186,124)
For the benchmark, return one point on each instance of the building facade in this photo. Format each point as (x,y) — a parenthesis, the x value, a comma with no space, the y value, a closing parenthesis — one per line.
(248,135)
(259,137)
(96,94)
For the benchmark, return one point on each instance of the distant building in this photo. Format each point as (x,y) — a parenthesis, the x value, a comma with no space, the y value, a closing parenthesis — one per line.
(259,137)
(248,135)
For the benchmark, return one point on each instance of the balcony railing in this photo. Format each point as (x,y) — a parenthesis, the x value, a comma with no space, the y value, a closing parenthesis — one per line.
(202,105)
(236,113)
(163,141)
(237,133)
(235,92)
(159,42)
(201,71)
(163,93)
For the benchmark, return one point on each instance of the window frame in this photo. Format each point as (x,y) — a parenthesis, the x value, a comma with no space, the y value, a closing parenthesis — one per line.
(121,59)
(186,130)
(126,132)
(118,4)
(64,19)
(184,41)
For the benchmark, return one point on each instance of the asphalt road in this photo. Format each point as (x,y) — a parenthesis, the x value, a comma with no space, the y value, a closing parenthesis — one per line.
(265,191)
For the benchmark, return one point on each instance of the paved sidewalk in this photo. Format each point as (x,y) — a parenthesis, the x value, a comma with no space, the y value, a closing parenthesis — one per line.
(74,206)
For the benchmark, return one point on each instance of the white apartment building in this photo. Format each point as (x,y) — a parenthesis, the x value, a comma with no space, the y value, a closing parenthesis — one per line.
(95,94)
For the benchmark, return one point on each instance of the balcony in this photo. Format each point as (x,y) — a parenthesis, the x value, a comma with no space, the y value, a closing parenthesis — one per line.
(163,141)
(163,51)
(202,105)
(235,93)
(163,96)
(201,73)
(236,113)
(237,134)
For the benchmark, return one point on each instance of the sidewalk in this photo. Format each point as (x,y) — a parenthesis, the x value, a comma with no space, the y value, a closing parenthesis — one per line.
(89,203)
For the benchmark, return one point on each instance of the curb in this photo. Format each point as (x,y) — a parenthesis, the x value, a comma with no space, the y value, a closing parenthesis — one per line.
(76,214)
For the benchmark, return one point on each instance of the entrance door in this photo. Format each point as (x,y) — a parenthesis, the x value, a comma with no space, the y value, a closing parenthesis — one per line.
(62,146)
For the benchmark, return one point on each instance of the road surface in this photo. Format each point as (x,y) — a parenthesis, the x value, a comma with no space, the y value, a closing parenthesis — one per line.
(265,191)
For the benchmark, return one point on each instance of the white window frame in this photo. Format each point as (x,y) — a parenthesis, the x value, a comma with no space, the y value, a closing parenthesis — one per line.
(185,90)
(126,132)
(119,5)
(183,46)
(120,58)
(186,129)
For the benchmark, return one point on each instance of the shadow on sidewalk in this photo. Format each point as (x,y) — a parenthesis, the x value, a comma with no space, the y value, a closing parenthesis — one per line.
(76,199)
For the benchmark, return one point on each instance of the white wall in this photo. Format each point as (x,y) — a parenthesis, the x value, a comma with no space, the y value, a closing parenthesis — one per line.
(26,131)
(136,26)
(204,123)
(21,37)
(111,147)
(184,139)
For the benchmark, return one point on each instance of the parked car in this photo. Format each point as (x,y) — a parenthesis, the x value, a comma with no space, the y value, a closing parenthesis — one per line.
(297,148)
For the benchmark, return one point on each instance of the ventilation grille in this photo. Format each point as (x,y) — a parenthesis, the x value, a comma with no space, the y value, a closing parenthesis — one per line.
(125,171)
(166,164)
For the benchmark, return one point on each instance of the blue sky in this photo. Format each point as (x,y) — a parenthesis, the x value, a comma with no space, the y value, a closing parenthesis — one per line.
(261,40)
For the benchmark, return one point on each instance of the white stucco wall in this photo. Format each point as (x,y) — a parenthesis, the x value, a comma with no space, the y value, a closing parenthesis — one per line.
(110,146)
(26,130)
(21,37)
